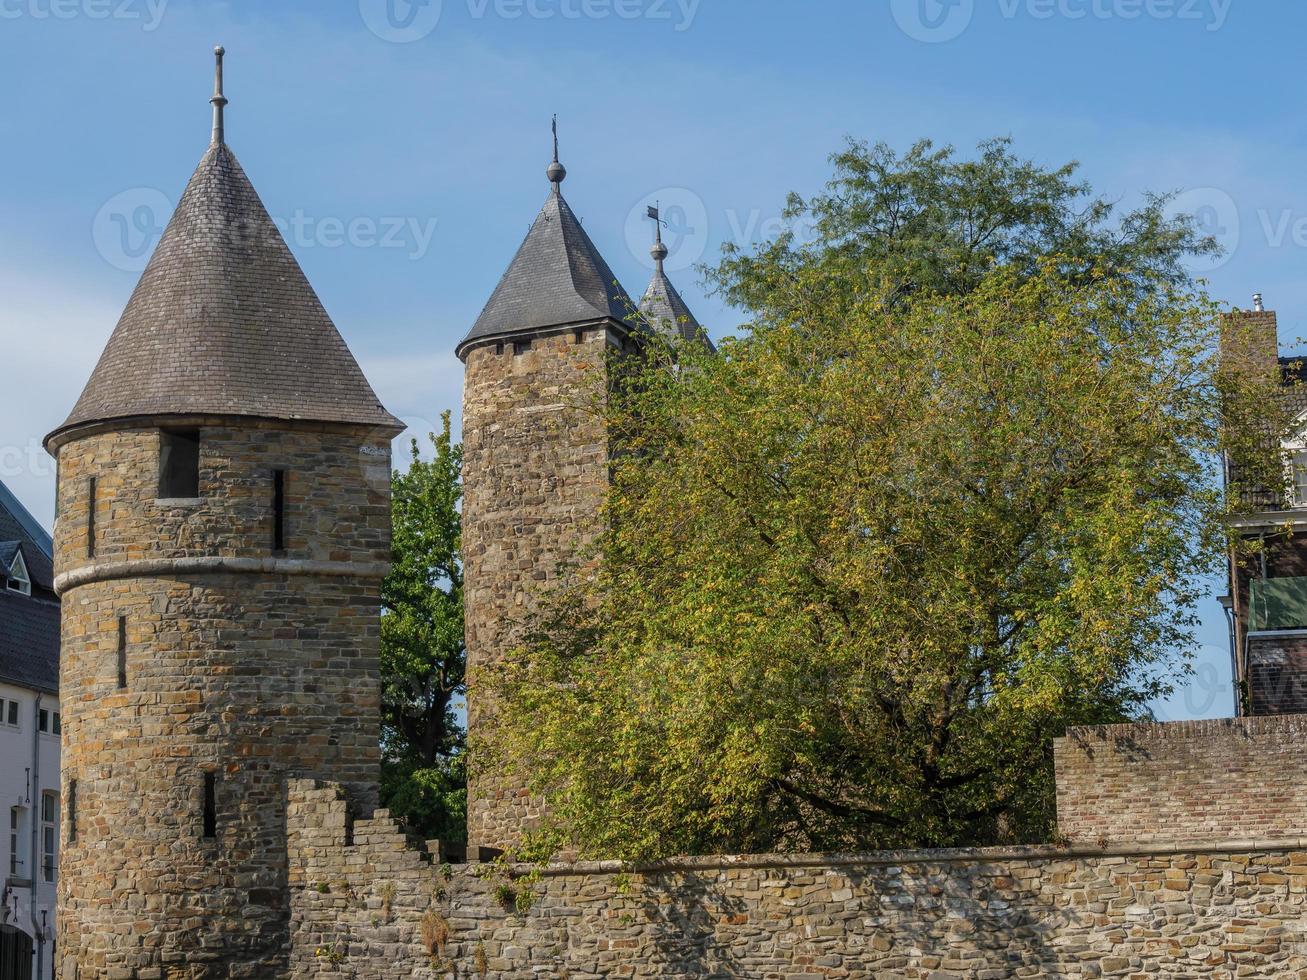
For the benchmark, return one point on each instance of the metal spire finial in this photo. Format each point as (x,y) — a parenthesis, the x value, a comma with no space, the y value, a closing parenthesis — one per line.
(219,100)
(557,173)
(659,250)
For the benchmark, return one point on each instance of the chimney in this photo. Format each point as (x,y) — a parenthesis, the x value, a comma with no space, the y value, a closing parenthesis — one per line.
(1249,340)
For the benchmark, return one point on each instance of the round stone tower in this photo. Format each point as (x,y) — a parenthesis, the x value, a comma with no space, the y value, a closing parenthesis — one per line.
(223,526)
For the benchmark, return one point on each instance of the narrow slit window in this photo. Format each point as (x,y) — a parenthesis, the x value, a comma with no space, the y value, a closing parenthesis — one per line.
(578,336)
(49,820)
(210,804)
(499,347)
(90,518)
(278,510)
(179,463)
(521,346)
(72,810)
(122,652)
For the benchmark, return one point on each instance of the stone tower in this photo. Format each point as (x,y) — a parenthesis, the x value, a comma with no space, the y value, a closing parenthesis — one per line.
(223,526)
(535,463)
(662,310)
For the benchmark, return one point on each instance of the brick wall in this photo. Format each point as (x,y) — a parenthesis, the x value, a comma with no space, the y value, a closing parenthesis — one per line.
(535,473)
(1229,779)
(373,907)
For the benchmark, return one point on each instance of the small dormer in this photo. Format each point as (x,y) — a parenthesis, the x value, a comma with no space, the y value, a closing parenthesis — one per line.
(17,578)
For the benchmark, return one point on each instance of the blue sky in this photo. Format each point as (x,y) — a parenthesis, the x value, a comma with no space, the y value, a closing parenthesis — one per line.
(404,148)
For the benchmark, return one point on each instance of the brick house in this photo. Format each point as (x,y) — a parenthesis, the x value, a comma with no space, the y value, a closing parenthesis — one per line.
(1267,601)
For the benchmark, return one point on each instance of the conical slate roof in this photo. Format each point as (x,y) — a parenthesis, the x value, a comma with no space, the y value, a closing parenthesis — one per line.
(224,322)
(666,313)
(557,278)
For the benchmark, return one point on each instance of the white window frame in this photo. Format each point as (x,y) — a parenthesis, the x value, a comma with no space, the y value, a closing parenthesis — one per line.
(9,706)
(17,865)
(17,579)
(49,837)
(1293,451)
(48,722)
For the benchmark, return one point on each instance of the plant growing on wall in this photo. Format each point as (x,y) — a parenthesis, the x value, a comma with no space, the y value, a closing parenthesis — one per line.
(422,655)
(951,492)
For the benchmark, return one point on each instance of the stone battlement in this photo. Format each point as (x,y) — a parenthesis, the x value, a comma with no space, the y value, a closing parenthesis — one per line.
(373,906)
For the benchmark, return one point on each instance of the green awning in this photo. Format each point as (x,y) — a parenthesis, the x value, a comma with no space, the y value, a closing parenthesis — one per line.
(1278,604)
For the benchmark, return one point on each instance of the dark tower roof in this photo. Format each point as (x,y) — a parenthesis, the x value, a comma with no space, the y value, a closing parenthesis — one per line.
(29,641)
(557,278)
(662,308)
(224,321)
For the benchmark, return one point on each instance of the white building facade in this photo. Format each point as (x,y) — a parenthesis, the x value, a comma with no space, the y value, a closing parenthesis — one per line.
(30,729)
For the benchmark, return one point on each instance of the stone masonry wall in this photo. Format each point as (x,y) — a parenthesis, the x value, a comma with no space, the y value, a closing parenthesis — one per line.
(535,473)
(1233,779)
(368,905)
(237,665)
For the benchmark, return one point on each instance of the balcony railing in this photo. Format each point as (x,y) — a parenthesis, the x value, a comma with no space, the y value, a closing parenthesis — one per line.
(1277,604)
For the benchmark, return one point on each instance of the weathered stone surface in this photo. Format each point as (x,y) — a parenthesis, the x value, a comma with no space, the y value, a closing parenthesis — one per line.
(376,910)
(251,676)
(535,472)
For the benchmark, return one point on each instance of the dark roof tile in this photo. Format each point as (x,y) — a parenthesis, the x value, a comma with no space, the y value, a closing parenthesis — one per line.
(29,625)
(557,278)
(665,312)
(224,322)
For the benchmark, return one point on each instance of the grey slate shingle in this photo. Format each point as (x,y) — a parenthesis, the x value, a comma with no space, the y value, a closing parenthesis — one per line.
(29,625)
(556,278)
(666,313)
(223,321)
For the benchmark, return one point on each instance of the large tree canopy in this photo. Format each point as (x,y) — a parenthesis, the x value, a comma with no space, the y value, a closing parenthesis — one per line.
(929,221)
(867,562)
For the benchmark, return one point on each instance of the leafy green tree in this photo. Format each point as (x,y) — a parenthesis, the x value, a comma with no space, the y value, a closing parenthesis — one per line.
(422,654)
(931,222)
(953,492)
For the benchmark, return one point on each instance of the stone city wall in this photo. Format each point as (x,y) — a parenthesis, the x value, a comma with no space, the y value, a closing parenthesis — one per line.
(366,903)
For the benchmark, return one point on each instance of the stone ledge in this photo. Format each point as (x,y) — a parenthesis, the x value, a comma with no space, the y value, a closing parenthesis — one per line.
(1208,728)
(978,855)
(215,565)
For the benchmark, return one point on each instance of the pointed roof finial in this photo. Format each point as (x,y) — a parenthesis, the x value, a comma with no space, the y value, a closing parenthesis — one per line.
(659,250)
(557,173)
(219,100)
